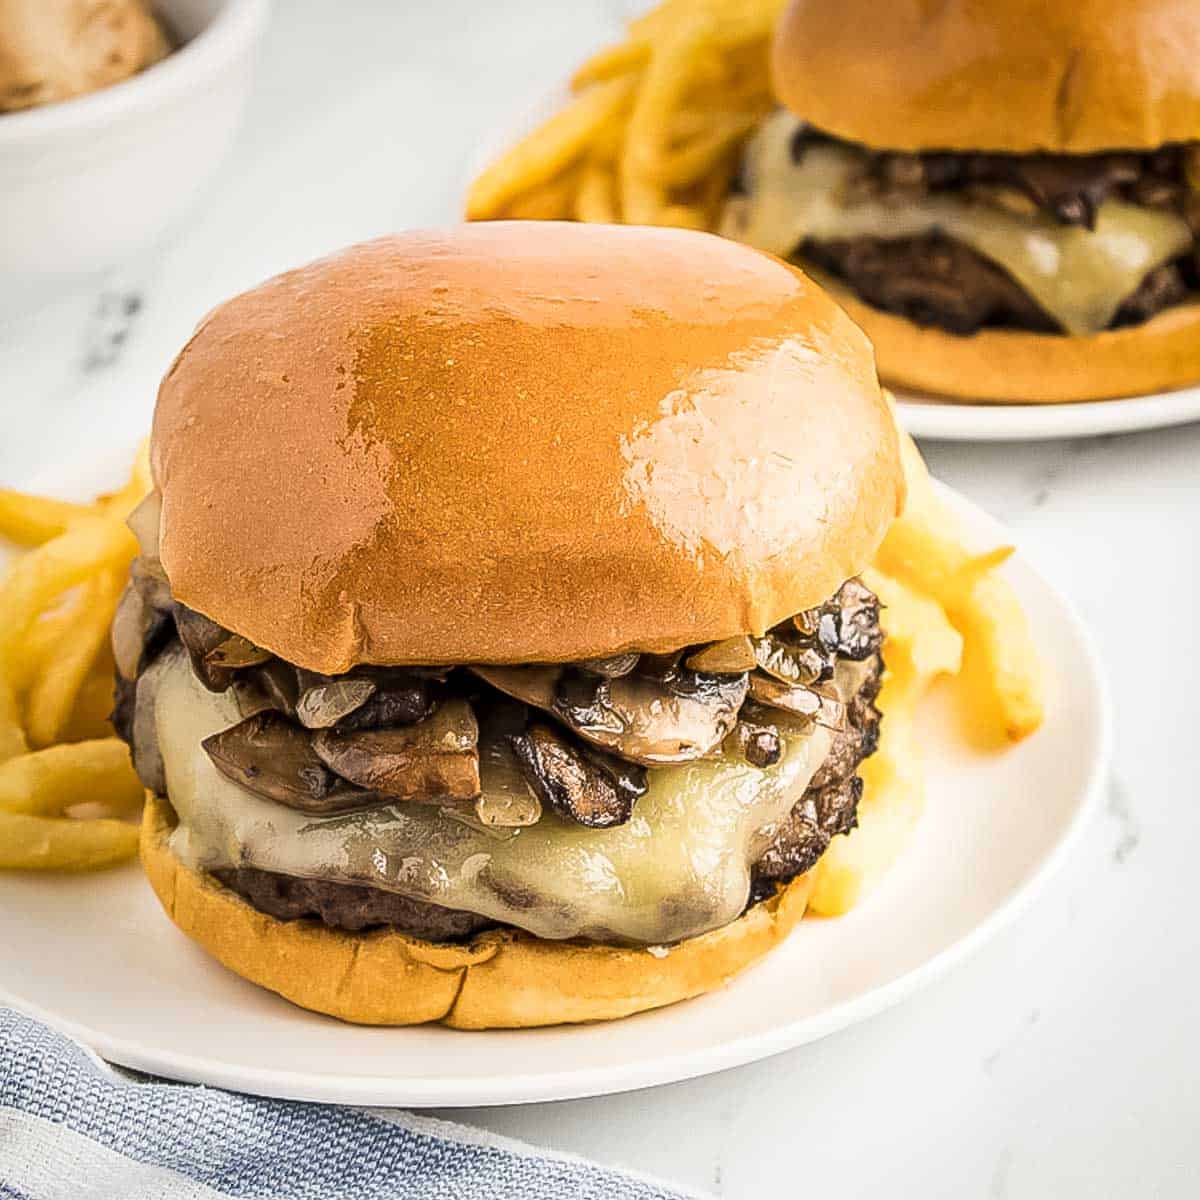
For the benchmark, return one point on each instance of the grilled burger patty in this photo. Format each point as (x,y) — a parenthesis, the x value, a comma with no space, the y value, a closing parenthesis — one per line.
(933,278)
(578,738)
(937,280)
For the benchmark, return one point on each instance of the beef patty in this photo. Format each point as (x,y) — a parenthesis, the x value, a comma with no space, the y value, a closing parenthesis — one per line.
(935,280)
(931,280)
(349,906)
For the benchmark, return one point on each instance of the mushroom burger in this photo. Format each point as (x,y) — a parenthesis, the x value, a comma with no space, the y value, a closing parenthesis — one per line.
(496,653)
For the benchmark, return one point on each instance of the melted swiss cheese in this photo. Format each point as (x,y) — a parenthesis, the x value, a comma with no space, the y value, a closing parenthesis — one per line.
(679,867)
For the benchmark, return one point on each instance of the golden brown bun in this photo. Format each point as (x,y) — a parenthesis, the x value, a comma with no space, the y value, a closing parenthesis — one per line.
(500,980)
(521,441)
(1006,75)
(1014,366)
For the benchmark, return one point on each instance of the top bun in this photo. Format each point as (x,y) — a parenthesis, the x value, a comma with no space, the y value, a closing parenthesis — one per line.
(520,442)
(1014,76)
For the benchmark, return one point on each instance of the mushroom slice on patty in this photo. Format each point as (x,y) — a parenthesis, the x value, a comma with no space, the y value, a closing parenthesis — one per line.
(534,685)
(401,696)
(324,700)
(139,628)
(757,736)
(733,656)
(611,667)
(271,757)
(279,684)
(432,761)
(792,661)
(676,717)
(814,703)
(574,783)
(858,632)
(506,800)
(215,653)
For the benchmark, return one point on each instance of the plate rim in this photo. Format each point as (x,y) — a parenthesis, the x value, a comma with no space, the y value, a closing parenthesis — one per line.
(581,1082)
(949,421)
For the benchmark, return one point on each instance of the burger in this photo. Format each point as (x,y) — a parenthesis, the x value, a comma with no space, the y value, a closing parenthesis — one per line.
(495,654)
(1004,195)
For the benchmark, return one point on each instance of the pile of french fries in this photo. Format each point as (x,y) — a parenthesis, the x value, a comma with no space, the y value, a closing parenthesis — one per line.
(652,131)
(65,781)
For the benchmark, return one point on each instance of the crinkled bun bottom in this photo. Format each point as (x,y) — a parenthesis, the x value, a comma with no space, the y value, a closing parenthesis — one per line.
(500,979)
(1013,366)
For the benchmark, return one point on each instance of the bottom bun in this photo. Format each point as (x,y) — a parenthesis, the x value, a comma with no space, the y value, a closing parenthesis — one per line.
(1011,366)
(501,979)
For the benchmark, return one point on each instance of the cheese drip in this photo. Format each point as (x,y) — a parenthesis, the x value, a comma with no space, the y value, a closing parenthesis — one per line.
(1078,276)
(679,867)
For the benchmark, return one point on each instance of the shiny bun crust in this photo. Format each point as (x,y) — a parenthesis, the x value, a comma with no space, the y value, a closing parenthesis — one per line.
(1017,367)
(521,441)
(498,980)
(1003,75)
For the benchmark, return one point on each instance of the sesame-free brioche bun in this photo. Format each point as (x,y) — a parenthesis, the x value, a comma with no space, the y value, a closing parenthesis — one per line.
(498,980)
(1014,76)
(519,442)
(1018,366)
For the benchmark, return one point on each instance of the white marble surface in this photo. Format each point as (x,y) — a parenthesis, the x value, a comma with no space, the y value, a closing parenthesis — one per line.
(1062,1061)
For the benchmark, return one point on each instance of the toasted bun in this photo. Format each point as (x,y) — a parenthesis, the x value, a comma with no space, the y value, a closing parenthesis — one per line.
(1016,367)
(1003,75)
(499,980)
(515,442)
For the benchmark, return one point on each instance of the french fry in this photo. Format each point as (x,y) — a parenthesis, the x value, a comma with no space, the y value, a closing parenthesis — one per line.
(30,843)
(557,144)
(553,201)
(29,657)
(734,21)
(36,579)
(47,782)
(56,606)
(53,694)
(89,718)
(690,81)
(917,625)
(12,735)
(1001,668)
(683,216)
(609,144)
(695,160)
(662,88)
(709,194)
(596,199)
(610,63)
(641,199)
(32,520)
(1005,671)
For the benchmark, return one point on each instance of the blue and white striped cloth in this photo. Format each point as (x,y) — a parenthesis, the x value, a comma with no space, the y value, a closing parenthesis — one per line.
(71,1128)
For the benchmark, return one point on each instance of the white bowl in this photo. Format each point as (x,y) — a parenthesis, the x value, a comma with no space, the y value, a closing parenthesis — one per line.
(89,182)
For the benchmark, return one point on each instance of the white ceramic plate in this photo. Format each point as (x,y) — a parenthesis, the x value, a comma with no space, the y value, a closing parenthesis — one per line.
(95,956)
(956,422)
(931,416)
